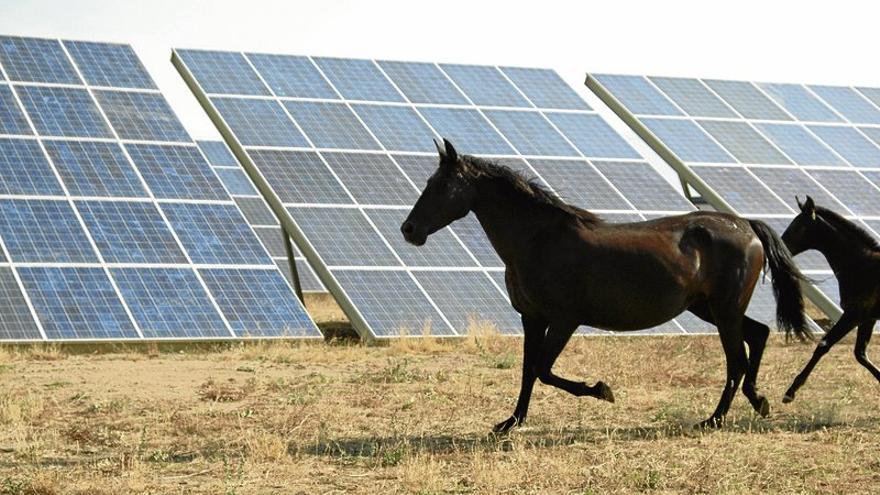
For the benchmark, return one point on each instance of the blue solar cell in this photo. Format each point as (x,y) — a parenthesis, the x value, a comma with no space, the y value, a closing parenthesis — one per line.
(236,182)
(292,76)
(467,129)
(800,102)
(687,141)
(530,133)
(12,120)
(872,94)
(308,280)
(127,232)
(873,133)
(469,300)
(63,112)
(94,169)
(418,168)
(76,303)
(852,189)
(592,135)
(175,172)
(351,242)
(637,95)
(43,230)
(849,144)
(16,321)
(747,99)
(109,64)
(643,186)
(576,182)
(485,85)
(218,154)
(545,88)
(790,182)
(25,170)
(799,144)
(849,103)
(372,178)
(256,211)
(223,72)
(742,191)
(358,79)
(471,233)
(397,128)
(142,116)
(36,60)
(259,303)
(169,303)
(259,122)
(693,97)
(299,176)
(423,82)
(743,142)
(441,249)
(391,303)
(331,125)
(215,234)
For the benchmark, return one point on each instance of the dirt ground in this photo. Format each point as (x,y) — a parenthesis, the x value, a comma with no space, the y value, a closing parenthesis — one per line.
(414,416)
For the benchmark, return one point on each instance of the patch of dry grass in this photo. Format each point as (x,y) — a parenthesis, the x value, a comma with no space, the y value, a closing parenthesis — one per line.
(414,415)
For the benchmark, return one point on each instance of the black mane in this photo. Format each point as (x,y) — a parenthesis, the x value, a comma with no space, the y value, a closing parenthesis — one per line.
(527,187)
(847,227)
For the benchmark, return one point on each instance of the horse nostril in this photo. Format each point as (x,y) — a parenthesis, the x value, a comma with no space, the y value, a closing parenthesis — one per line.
(407,228)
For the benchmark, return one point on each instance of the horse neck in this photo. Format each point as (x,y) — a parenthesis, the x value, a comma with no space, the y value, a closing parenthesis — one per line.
(839,250)
(511,220)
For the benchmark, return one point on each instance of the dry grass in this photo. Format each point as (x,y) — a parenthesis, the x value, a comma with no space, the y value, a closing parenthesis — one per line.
(413,416)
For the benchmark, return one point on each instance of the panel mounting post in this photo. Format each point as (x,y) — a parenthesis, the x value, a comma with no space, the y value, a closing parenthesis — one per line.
(294,273)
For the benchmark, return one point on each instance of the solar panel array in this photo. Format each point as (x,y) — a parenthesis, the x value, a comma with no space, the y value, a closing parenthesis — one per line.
(112,224)
(258,214)
(757,145)
(344,147)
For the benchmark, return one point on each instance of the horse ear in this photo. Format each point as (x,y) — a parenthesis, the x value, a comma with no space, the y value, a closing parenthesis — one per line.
(440,149)
(809,207)
(798,200)
(450,151)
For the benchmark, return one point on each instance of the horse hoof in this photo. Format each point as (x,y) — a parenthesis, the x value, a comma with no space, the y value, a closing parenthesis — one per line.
(763,408)
(506,425)
(709,424)
(788,398)
(604,392)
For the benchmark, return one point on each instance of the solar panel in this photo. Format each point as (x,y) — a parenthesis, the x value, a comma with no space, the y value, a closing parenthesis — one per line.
(264,222)
(751,147)
(366,151)
(112,223)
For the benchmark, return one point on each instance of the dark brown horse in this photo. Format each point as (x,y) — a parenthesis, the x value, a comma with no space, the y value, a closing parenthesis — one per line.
(566,268)
(855,258)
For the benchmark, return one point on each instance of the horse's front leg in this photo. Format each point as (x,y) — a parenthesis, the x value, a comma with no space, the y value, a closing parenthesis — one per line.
(555,341)
(843,326)
(534,329)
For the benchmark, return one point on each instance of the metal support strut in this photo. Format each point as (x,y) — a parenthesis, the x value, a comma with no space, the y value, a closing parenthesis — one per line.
(294,273)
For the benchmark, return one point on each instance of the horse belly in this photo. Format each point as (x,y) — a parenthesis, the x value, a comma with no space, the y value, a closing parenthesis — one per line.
(636,300)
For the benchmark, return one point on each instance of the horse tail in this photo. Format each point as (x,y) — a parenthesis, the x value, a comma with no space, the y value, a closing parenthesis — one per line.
(786,282)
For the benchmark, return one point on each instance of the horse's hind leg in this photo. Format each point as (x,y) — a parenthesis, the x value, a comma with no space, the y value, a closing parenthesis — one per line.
(843,326)
(755,334)
(729,322)
(864,336)
(557,336)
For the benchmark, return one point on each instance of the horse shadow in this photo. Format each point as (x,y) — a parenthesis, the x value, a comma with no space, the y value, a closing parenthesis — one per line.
(535,437)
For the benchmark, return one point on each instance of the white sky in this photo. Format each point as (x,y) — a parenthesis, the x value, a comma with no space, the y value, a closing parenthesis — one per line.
(828,42)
